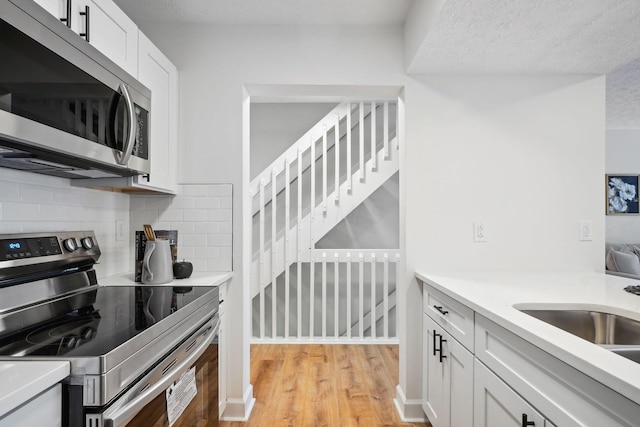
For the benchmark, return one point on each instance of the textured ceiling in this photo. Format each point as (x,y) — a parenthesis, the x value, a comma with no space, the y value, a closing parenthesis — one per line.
(524,36)
(467,36)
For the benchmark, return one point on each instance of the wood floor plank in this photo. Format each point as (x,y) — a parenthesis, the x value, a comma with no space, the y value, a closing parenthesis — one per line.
(300,385)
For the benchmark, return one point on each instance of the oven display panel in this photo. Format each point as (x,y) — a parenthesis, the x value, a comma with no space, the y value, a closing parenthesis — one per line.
(11,249)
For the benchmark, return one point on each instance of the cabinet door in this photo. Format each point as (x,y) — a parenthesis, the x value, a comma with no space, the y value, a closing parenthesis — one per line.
(57,8)
(222,339)
(459,375)
(495,404)
(110,31)
(43,410)
(158,74)
(434,396)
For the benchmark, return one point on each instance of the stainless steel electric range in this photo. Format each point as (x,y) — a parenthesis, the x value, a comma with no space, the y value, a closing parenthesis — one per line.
(126,344)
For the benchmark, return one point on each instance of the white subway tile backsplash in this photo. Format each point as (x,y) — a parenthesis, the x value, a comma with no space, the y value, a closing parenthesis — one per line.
(196,215)
(21,211)
(35,193)
(185,252)
(208,203)
(9,192)
(183,227)
(226,227)
(160,203)
(199,264)
(208,253)
(194,190)
(226,202)
(219,240)
(207,227)
(184,203)
(221,190)
(171,215)
(39,203)
(202,214)
(220,215)
(219,265)
(195,240)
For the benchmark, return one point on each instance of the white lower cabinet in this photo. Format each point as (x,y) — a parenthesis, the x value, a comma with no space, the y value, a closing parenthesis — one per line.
(43,410)
(222,350)
(499,379)
(448,393)
(496,404)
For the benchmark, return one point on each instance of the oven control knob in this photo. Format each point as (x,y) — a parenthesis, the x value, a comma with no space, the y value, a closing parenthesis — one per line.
(88,333)
(73,341)
(87,242)
(70,244)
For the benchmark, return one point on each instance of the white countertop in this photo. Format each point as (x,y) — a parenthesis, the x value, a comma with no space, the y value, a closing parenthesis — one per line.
(23,380)
(196,279)
(493,295)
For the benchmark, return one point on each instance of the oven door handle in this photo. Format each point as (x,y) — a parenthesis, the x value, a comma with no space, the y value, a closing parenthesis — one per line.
(118,416)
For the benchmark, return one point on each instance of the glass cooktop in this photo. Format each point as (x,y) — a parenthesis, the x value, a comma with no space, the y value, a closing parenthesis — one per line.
(117,314)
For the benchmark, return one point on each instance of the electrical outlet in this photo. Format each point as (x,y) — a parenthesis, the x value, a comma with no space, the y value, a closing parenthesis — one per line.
(122,228)
(586,230)
(479,232)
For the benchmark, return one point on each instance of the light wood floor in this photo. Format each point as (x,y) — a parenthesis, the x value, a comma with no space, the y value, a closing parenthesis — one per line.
(300,385)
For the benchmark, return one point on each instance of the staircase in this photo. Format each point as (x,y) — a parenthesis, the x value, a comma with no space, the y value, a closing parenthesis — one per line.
(298,199)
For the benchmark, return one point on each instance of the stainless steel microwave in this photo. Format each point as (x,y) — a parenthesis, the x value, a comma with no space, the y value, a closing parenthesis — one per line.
(65,108)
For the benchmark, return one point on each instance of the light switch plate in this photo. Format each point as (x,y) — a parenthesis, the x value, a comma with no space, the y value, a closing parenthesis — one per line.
(479,232)
(586,230)
(122,228)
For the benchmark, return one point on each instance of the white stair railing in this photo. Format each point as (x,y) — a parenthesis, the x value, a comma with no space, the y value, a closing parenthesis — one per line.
(280,261)
(346,296)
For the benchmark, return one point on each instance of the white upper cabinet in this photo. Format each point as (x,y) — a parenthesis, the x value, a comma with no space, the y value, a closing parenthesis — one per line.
(104,25)
(57,8)
(109,29)
(157,73)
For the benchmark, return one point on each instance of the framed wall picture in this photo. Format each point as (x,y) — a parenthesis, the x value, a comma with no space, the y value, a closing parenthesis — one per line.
(622,194)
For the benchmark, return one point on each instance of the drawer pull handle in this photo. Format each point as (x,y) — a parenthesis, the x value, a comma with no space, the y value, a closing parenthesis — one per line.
(439,308)
(526,422)
(442,356)
(86,23)
(67,19)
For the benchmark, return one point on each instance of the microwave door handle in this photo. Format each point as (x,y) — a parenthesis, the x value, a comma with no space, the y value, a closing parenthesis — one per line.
(120,416)
(123,158)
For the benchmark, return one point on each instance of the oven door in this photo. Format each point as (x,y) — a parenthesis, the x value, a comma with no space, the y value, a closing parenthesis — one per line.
(146,403)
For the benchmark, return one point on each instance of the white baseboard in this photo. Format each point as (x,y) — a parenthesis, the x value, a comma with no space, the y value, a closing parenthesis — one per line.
(239,409)
(409,410)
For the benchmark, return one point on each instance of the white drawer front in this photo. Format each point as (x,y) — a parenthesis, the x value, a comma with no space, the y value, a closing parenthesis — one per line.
(565,396)
(454,317)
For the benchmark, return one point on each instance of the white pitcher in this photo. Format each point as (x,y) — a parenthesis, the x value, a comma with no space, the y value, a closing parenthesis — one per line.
(157,264)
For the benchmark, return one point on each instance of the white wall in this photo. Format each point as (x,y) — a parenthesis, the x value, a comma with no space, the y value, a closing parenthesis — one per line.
(39,203)
(523,154)
(277,126)
(622,157)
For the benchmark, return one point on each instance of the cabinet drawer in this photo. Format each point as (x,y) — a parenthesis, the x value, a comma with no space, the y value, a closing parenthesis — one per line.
(569,397)
(454,317)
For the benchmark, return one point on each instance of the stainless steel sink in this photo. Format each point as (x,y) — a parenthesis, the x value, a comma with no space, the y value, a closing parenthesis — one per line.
(631,352)
(616,333)
(595,326)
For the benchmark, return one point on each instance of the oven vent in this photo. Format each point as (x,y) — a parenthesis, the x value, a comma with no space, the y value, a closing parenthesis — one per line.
(93,420)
